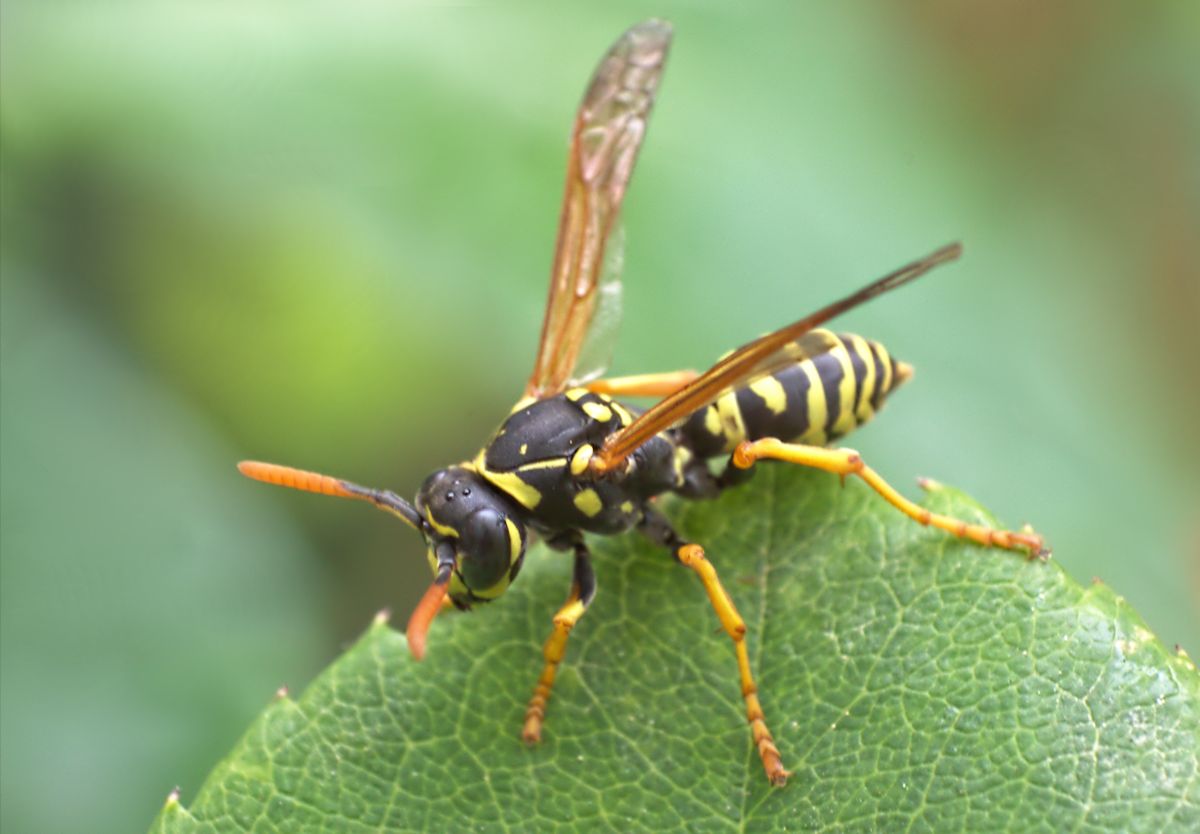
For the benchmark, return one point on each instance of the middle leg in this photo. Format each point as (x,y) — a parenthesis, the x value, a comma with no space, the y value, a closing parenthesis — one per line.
(658,529)
(642,385)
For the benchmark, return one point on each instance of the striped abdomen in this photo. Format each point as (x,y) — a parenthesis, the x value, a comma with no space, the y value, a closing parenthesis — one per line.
(837,383)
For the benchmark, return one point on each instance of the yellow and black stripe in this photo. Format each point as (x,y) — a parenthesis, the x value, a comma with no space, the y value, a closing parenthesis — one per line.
(837,383)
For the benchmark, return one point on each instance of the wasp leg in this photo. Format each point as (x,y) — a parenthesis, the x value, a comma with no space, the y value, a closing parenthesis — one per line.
(583,589)
(848,462)
(659,530)
(642,385)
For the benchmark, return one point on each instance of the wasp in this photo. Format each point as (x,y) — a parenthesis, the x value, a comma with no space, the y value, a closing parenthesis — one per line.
(571,458)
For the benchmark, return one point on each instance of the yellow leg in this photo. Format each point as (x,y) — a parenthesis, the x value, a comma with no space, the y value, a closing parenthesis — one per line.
(642,385)
(692,555)
(848,462)
(583,588)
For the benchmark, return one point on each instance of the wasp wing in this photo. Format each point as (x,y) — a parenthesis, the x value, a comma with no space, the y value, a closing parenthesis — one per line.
(762,356)
(609,129)
(595,354)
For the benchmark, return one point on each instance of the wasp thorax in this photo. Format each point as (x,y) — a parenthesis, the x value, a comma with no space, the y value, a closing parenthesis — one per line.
(488,536)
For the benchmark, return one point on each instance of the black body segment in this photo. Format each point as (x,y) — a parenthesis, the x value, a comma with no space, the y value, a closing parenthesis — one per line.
(837,383)
(539,458)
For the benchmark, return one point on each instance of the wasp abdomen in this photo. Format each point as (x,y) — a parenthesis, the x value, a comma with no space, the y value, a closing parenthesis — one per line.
(837,383)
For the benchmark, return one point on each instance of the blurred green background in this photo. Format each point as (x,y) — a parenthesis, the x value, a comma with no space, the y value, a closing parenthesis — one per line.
(320,234)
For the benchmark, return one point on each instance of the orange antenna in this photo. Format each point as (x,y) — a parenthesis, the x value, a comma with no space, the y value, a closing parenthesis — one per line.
(286,476)
(431,603)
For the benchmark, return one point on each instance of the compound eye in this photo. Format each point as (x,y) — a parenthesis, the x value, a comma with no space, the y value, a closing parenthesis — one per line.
(484,549)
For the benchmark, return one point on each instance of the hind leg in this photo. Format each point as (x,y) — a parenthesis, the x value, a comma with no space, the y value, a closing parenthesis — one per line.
(848,462)
(659,530)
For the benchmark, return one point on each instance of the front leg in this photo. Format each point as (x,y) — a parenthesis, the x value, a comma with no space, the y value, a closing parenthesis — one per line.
(583,589)
(659,530)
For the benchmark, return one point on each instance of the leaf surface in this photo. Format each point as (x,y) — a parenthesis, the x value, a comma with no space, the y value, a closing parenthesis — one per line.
(913,682)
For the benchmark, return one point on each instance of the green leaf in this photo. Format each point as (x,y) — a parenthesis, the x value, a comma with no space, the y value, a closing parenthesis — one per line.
(913,683)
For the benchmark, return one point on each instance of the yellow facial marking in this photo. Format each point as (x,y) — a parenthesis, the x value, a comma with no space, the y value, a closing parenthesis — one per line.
(579,461)
(771,391)
(627,507)
(597,411)
(494,591)
(588,502)
(441,528)
(457,588)
(514,541)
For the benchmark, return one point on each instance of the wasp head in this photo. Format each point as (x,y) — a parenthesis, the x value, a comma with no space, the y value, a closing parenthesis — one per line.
(474,533)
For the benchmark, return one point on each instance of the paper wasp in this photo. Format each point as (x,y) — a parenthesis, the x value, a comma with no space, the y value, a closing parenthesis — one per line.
(571,459)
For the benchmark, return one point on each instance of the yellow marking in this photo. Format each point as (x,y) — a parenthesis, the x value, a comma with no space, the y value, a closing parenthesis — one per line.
(579,460)
(494,591)
(588,502)
(441,528)
(815,403)
(603,397)
(771,391)
(624,413)
(627,507)
(521,403)
(514,541)
(904,372)
(683,456)
(712,421)
(524,448)
(597,411)
(860,346)
(457,588)
(576,394)
(844,421)
(510,483)
(549,463)
(885,362)
(733,427)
